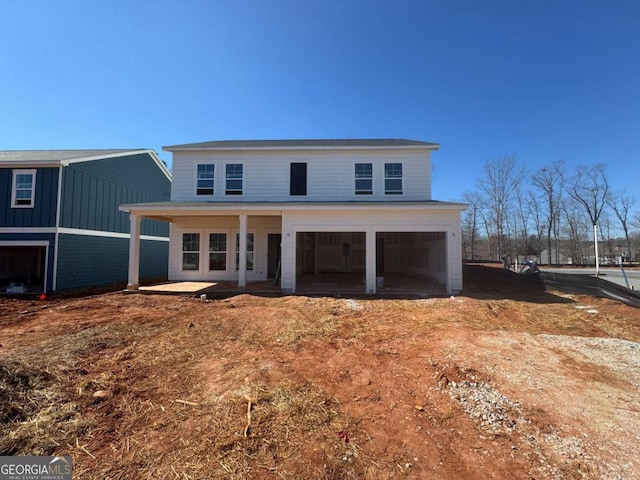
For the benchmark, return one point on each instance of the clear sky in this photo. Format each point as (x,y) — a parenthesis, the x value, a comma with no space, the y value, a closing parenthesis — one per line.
(544,80)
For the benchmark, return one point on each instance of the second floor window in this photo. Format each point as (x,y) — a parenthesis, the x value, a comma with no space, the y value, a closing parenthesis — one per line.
(23,192)
(364,179)
(233,185)
(298,179)
(393,178)
(205,179)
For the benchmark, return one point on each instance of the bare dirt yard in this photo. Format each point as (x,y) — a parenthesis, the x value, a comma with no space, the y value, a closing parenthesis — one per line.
(501,382)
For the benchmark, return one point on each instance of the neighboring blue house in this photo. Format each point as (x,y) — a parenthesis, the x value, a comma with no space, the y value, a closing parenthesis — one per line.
(60,226)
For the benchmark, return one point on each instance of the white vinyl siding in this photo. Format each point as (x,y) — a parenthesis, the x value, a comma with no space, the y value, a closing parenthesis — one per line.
(330,175)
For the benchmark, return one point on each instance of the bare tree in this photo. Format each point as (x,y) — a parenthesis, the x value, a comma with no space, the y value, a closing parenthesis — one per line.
(620,203)
(550,180)
(535,209)
(590,188)
(576,229)
(470,223)
(497,185)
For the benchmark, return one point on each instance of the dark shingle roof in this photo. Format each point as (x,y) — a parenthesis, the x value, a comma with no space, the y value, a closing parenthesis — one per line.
(318,143)
(55,155)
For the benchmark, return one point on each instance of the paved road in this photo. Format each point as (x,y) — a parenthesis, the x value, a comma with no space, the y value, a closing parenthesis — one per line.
(610,274)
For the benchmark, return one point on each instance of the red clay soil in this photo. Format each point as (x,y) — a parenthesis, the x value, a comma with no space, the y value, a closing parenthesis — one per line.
(503,382)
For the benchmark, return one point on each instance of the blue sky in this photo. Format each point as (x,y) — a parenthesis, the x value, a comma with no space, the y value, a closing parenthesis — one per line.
(544,80)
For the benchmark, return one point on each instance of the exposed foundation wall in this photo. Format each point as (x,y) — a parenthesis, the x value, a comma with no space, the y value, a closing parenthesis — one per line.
(259,226)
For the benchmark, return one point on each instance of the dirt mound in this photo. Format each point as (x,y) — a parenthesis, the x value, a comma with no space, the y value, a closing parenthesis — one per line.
(526,385)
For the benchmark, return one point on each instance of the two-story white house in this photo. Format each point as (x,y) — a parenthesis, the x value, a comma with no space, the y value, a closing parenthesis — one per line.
(297,210)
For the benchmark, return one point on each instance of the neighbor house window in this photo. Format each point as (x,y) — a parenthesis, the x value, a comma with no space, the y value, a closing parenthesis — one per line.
(205,178)
(24,189)
(298,179)
(393,178)
(217,251)
(364,178)
(190,251)
(249,251)
(233,179)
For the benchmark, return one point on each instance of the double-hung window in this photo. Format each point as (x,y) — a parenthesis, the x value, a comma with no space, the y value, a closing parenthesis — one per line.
(233,185)
(393,178)
(190,251)
(217,251)
(249,251)
(205,179)
(364,178)
(23,192)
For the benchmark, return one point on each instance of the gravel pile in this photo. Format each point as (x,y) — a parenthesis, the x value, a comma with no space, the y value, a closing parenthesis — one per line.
(557,456)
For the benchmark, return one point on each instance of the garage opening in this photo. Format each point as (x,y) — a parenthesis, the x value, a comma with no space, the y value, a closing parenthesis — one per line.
(411,262)
(22,269)
(329,262)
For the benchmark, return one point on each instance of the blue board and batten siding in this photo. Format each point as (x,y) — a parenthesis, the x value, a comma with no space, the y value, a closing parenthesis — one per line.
(93,191)
(91,195)
(101,261)
(43,213)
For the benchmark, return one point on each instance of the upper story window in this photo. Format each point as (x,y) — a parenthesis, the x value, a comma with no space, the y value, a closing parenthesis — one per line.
(298,179)
(393,178)
(23,191)
(364,178)
(233,185)
(205,178)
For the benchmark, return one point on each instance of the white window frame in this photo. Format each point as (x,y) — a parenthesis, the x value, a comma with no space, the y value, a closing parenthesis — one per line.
(388,191)
(212,180)
(356,191)
(14,188)
(226,251)
(235,192)
(183,251)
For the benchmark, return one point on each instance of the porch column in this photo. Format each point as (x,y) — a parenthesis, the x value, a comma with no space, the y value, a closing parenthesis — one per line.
(370,276)
(242,263)
(134,253)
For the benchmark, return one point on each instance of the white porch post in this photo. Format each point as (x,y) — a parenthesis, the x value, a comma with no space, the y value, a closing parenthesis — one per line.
(134,253)
(370,276)
(242,263)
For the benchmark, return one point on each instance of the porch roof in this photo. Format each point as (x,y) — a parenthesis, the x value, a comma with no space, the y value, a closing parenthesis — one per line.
(167,210)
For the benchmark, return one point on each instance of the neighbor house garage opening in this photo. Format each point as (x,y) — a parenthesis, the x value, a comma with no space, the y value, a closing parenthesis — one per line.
(330,262)
(411,262)
(22,269)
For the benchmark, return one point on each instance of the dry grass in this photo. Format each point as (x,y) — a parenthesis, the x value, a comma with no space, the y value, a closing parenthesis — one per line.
(153,387)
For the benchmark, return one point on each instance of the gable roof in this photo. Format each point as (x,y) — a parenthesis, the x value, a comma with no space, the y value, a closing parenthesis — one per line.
(23,158)
(304,144)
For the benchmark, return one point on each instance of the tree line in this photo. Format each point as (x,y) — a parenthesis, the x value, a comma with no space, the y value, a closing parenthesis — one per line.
(548,215)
